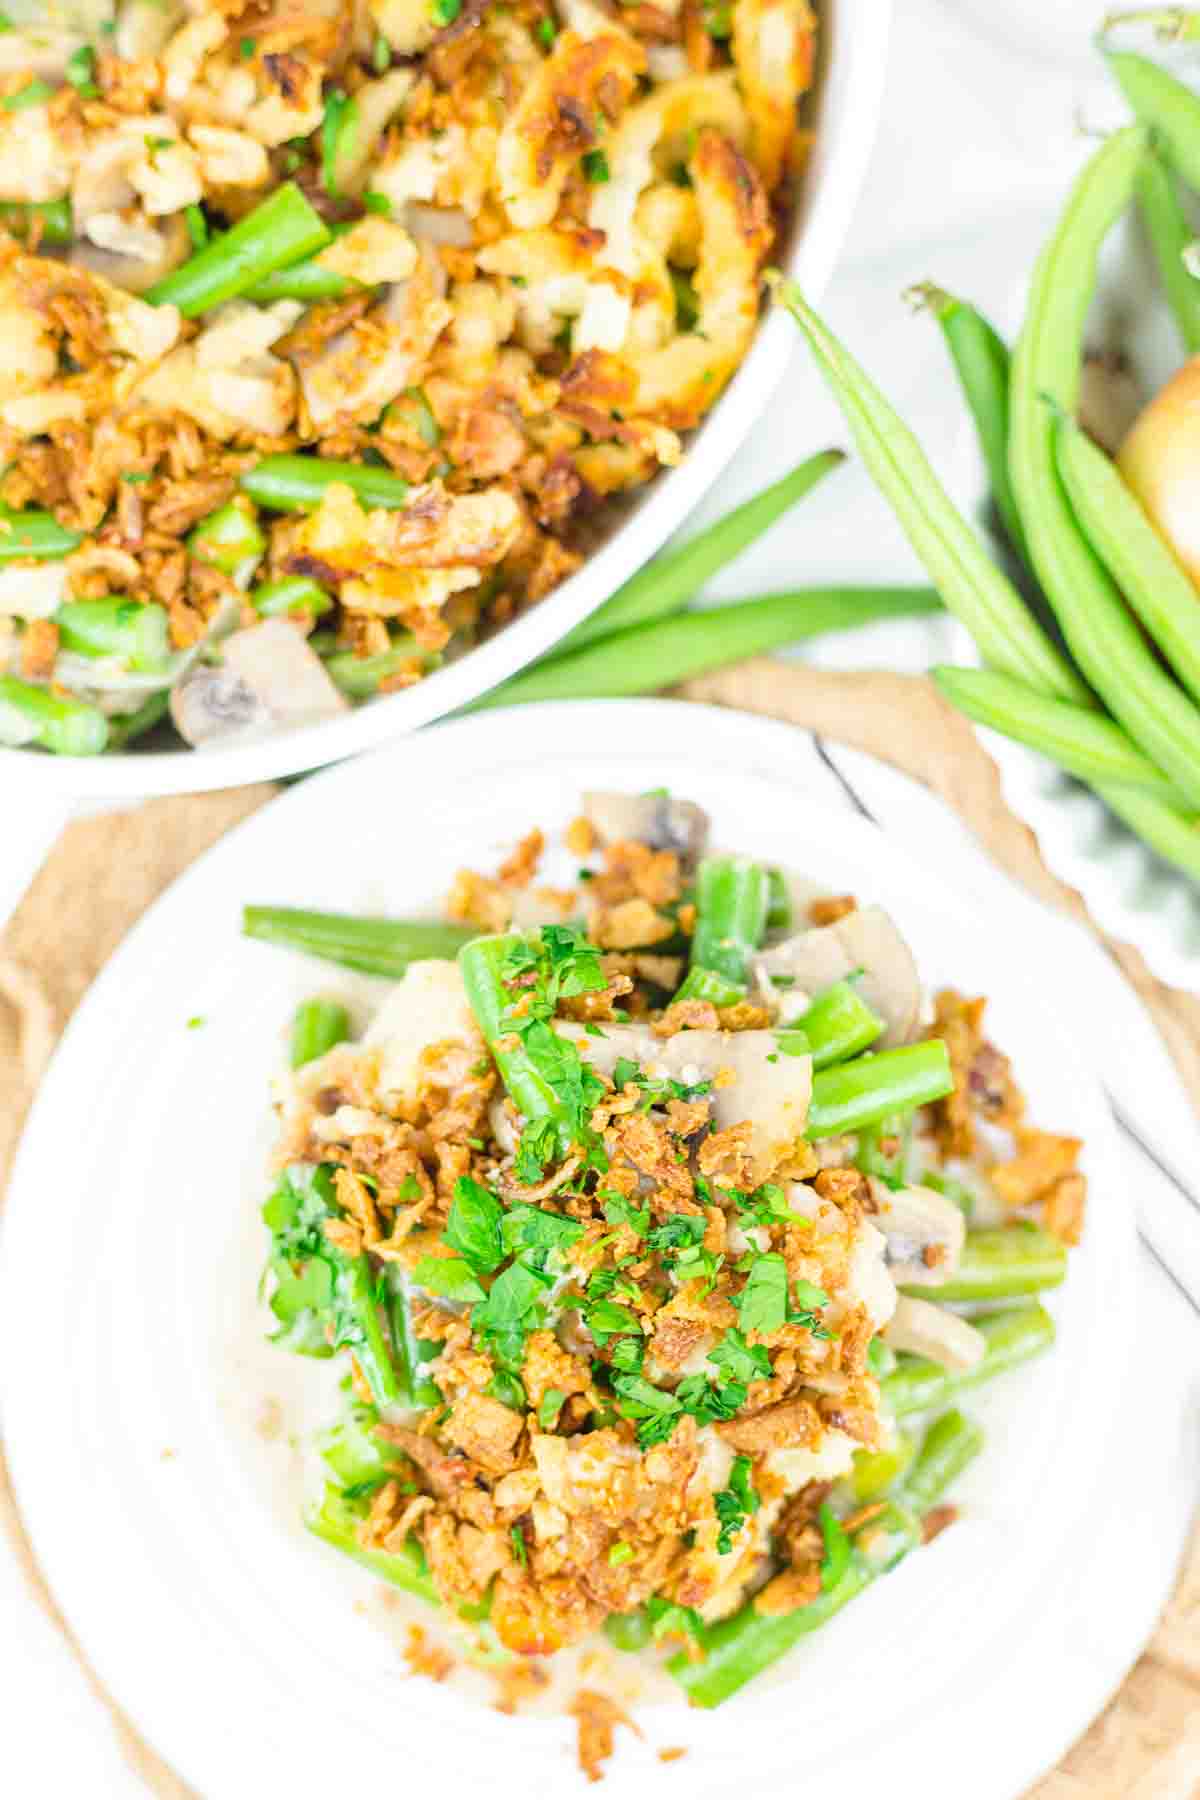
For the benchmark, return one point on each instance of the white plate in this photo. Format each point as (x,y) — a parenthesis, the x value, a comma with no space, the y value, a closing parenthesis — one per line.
(853,66)
(237,1644)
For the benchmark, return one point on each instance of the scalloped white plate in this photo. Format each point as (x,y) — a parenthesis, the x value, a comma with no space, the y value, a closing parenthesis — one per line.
(239,1646)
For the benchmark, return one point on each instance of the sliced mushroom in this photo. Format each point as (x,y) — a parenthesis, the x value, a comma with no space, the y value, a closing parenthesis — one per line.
(32,591)
(925,1233)
(144,28)
(637,1042)
(137,273)
(269,679)
(928,1330)
(865,940)
(659,820)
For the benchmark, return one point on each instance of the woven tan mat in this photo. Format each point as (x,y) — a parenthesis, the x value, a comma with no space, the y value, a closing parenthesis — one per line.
(104,872)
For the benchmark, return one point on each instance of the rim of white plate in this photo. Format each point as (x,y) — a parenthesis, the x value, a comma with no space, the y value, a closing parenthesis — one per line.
(110,1408)
(849,101)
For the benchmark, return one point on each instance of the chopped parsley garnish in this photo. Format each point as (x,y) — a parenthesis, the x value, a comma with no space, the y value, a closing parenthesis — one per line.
(595,167)
(444,12)
(620,1211)
(509,1389)
(679,1231)
(547,31)
(604,1318)
(526,1227)
(32,94)
(81,72)
(762,1303)
(246,48)
(473,1228)
(740,1361)
(449,1276)
(375,202)
(518,1544)
(656,1091)
(656,1411)
(409,1189)
(549,1407)
(558,963)
(619,1553)
(628,1354)
(734,1504)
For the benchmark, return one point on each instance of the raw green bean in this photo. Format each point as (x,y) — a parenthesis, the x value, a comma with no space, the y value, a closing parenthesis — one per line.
(951,1442)
(374,946)
(316,1028)
(53,216)
(290,594)
(738,1648)
(1013,1336)
(1175,835)
(1084,743)
(982,361)
(338,1521)
(1136,556)
(968,581)
(1169,232)
(481,963)
(732,900)
(282,230)
(359,677)
(1102,635)
(655,656)
(856,1094)
(1165,105)
(1000,1263)
(677,575)
(298,483)
(65,726)
(134,631)
(34,534)
(839,1024)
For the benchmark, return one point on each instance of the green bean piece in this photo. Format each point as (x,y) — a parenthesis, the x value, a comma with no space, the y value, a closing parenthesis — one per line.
(676,575)
(298,483)
(482,963)
(1103,637)
(648,657)
(629,1631)
(877,1473)
(839,1024)
(409,1351)
(981,360)
(65,726)
(1175,835)
(951,1442)
(732,900)
(359,677)
(316,1028)
(707,984)
(1137,557)
(34,534)
(51,219)
(971,585)
(856,1094)
(1000,1263)
(125,728)
(779,905)
(308,281)
(884,1148)
(282,230)
(130,629)
(373,946)
(1013,1335)
(289,595)
(353,1451)
(1167,228)
(740,1647)
(1084,743)
(338,1521)
(1165,106)
(229,539)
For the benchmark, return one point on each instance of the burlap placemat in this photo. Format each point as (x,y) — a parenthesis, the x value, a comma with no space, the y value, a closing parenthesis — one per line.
(104,872)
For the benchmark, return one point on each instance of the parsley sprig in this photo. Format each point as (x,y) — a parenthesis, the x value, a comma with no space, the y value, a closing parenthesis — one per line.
(734,1504)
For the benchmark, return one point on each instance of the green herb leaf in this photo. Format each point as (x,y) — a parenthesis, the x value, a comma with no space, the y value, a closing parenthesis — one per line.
(526,1227)
(620,1211)
(740,1361)
(734,1504)
(762,1304)
(518,1543)
(81,72)
(449,1276)
(473,1228)
(34,93)
(605,1317)
(549,1407)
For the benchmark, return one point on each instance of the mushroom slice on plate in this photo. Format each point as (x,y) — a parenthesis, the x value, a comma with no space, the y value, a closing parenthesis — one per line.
(864,942)
(925,1233)
(269,678)
(655,819)
(933,1331)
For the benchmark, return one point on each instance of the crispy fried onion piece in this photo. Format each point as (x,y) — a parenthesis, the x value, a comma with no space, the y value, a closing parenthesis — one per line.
(583,84)
(773,50)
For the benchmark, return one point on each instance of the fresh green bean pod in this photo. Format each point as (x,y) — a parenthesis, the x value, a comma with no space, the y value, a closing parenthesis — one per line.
(732,901)
(290,594)
(1000,1263)
(65,726)
(1164,105)
(839,1024)
(969,582)
(1098,627)
(34,534)
(647,657)
(373,946)
(54,217)
(316,1028)
(297,483)
(951,1443)
(1175,835)
(982,362)
(1013,1336)
(1167,227)
(481,962)
(1084,743)
(856,1094)
(130,629)
(282,230)
(1137,557)
(676,575)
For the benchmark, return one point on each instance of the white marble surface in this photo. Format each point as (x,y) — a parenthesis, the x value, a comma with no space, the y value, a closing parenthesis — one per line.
(979,133)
